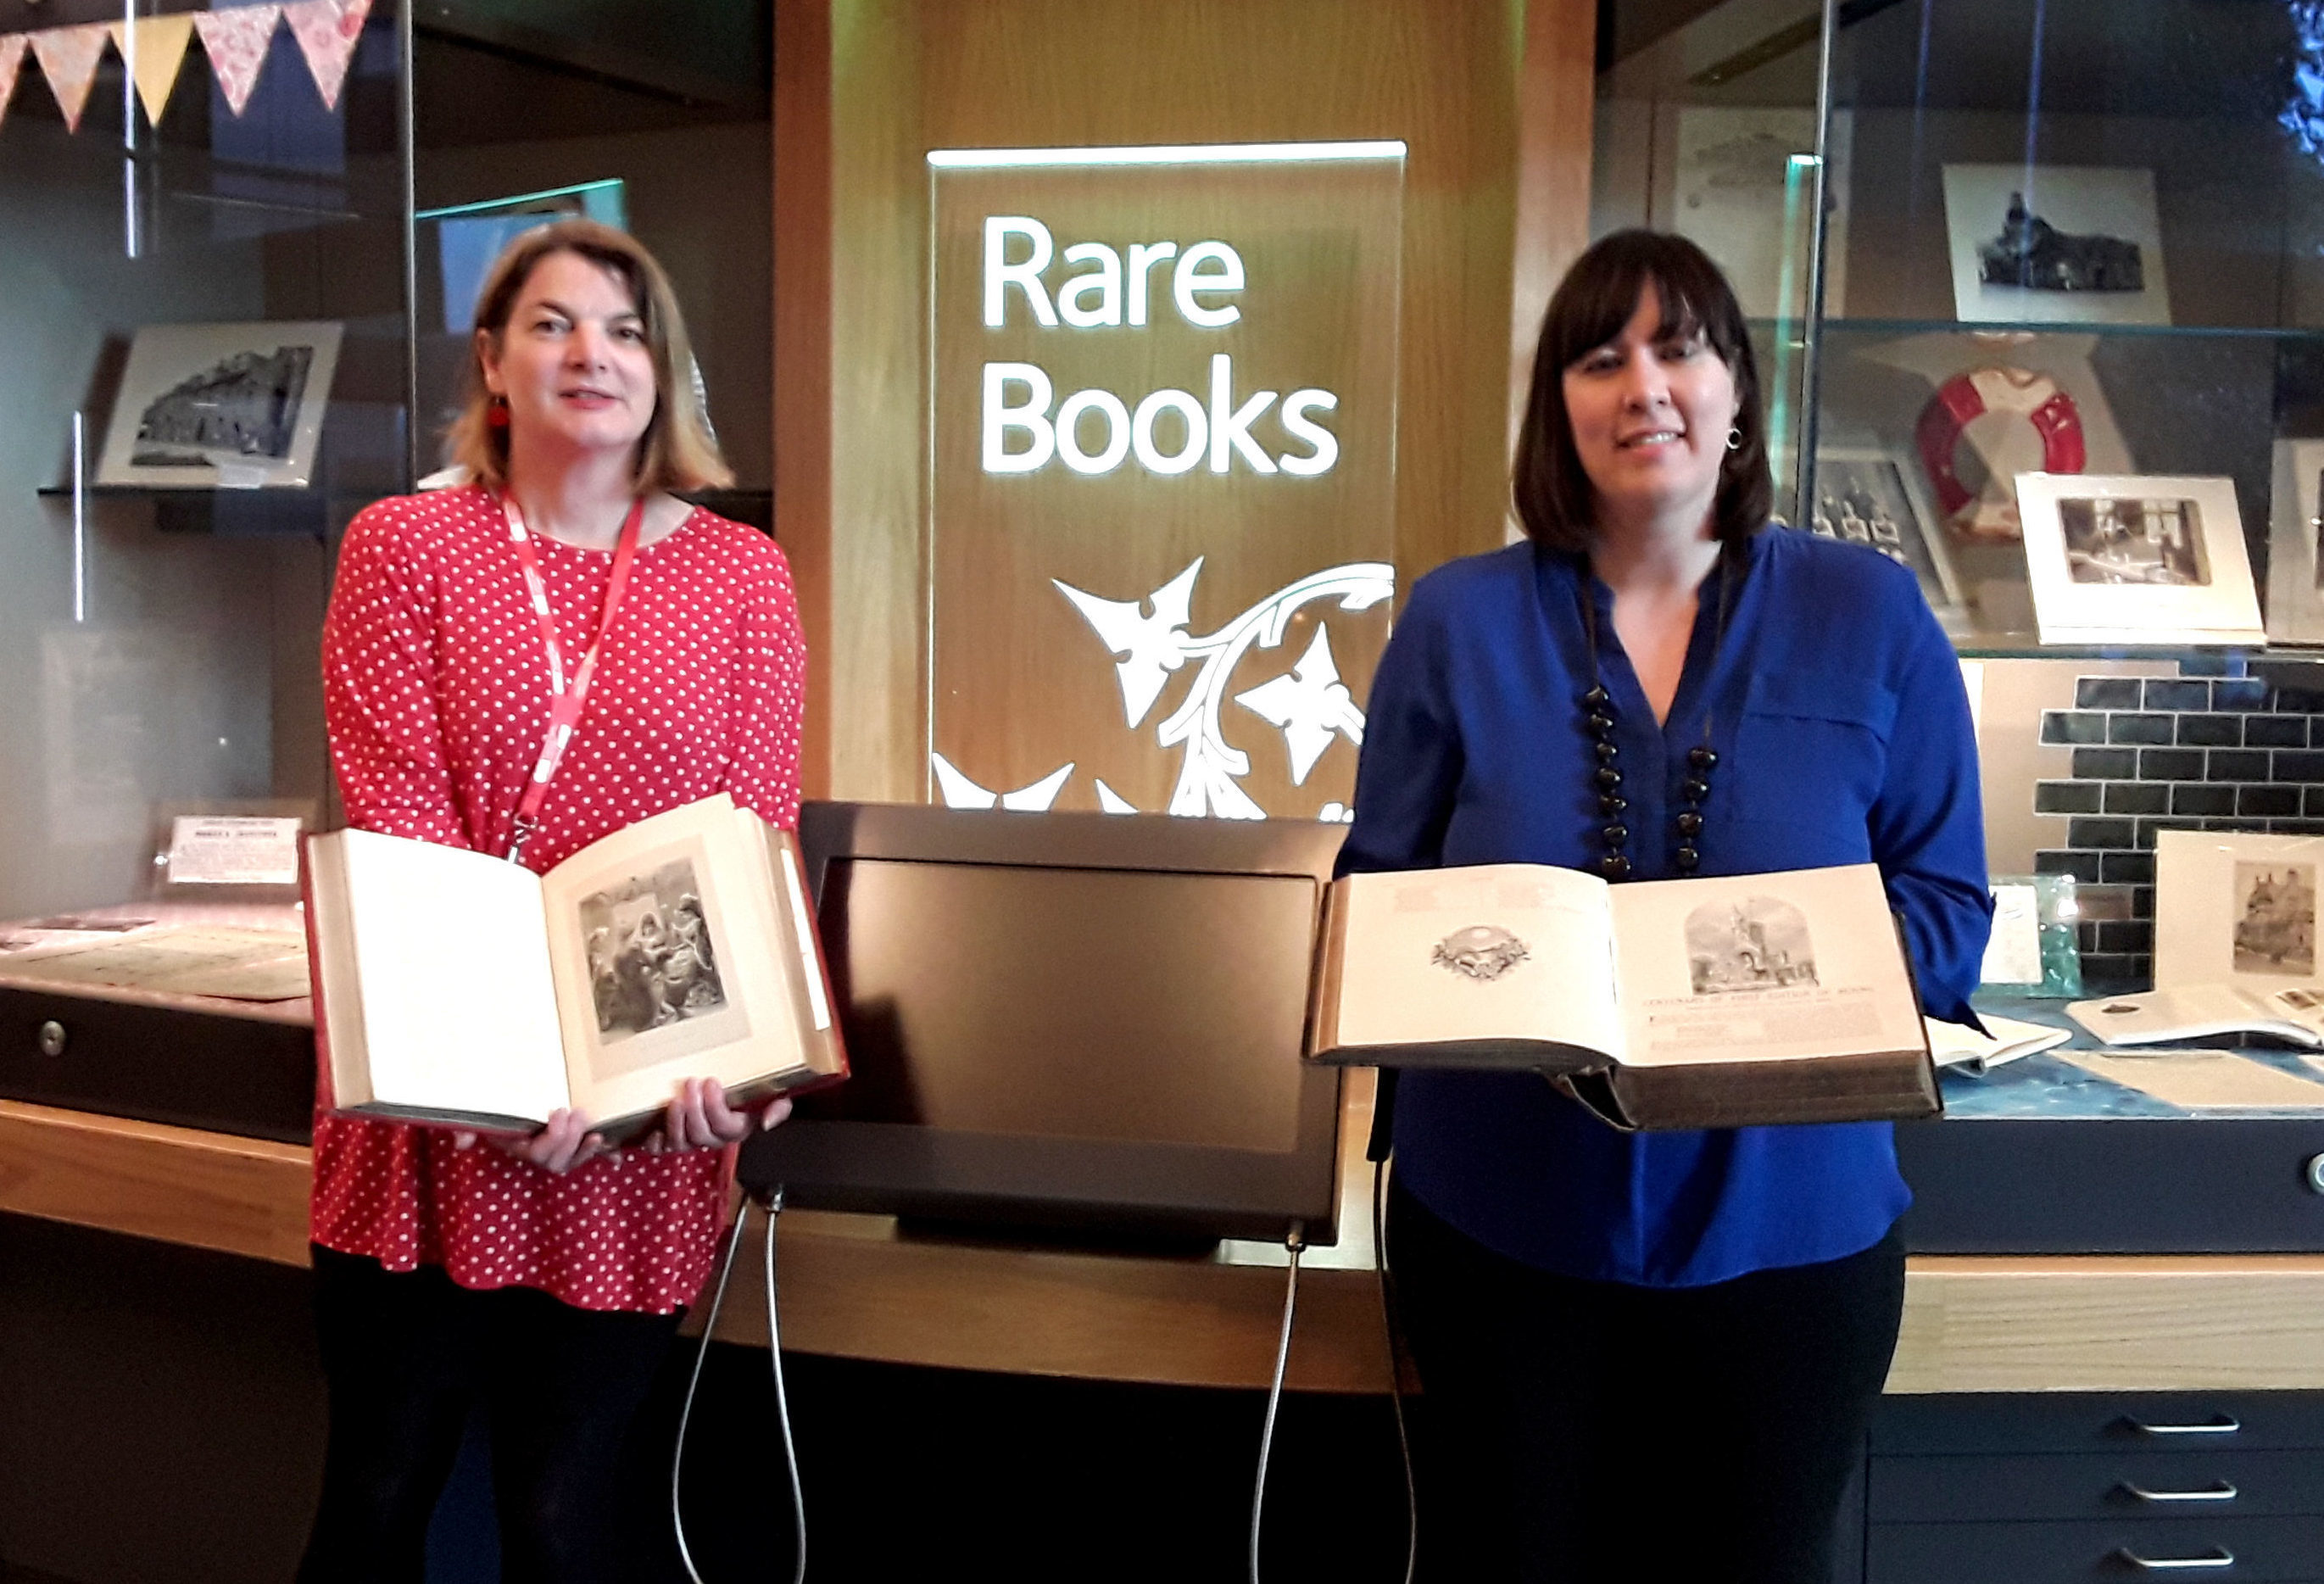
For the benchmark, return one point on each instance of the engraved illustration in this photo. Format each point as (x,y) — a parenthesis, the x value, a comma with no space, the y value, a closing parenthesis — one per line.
(1759,944)
(1482,952)
(2275,918)
(652,962)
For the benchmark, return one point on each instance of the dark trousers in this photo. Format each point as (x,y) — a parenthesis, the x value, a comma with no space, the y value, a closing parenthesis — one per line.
(407,1355)
(1576,1431)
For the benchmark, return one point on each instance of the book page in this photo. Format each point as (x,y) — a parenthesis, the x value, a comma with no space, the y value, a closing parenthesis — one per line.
(1497,952)
(187,960)
(665,945)
(2236,908)
(1746,968)
(2204,1081)
(458,1011)
(2198,1011)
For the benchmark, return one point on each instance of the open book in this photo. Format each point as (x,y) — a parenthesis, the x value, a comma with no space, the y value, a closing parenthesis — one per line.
(2294,1014)
(1718,1002)
(1964,1050)
(456,988)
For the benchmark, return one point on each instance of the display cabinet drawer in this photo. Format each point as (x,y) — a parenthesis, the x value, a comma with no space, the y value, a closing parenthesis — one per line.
(2143,1484)
(2207,1422)
(2277,1550)
(161,1065)
(2122,1185)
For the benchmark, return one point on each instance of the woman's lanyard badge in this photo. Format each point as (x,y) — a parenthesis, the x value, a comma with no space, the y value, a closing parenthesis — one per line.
(567,700)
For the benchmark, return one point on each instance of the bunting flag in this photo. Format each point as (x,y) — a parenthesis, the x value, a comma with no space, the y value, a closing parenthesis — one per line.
(327,32)
(69,55)
(157,50)
(12,57)
(237,41)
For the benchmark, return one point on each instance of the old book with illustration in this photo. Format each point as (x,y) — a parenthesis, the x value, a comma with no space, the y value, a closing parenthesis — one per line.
(1722,1001)
(456,988)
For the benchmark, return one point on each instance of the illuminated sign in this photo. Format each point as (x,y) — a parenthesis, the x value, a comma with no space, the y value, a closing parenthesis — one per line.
(1162,425)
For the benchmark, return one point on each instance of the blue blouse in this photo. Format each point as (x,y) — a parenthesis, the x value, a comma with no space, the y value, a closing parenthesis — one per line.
(1843,735)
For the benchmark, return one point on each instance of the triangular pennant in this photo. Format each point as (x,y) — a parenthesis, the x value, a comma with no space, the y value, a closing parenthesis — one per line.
(69,55)
(155,51)
(327,32)
(12,59)
(237,41)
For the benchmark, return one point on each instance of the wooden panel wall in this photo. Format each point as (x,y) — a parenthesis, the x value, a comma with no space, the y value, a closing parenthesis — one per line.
(865,87)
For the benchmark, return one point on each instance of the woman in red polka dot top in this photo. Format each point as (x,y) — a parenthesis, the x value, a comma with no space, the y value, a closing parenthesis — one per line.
(542,1276)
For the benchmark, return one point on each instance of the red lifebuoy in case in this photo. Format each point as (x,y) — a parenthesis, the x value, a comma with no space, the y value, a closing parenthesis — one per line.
(1995,390)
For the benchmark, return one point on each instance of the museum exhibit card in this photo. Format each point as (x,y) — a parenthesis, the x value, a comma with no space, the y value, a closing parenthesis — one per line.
(2205,1081)
(1710,1002)
(2137,559)
(2236,908)
(455,987)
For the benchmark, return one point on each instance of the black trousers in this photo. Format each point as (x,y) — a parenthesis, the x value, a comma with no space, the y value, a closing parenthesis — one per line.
(1576,1431)
(407,1355)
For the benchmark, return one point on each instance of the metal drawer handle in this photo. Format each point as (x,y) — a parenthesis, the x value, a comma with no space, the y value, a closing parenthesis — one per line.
(51,1038)
(2223,1491)
(2221,1424)
(2220,1557)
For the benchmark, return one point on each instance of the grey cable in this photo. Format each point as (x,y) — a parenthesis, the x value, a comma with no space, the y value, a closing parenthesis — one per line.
(773,1204)
(1293,1242)
(1395,1368)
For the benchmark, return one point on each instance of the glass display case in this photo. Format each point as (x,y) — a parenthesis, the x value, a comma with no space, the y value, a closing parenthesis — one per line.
(2038,294)
(242,246)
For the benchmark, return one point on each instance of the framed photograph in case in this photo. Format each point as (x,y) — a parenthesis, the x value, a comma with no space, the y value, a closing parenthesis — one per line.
(2295,545)
(2236,908)
(2078,244)
(1870,497)
(2137,559)
(222,406)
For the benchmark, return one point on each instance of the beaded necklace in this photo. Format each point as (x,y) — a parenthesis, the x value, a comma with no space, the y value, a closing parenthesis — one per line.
(1597,721)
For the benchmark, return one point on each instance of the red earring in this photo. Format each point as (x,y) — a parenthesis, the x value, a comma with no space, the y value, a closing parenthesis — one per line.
(498,414)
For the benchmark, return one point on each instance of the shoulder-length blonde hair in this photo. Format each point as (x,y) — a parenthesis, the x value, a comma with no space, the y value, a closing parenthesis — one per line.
(677,451)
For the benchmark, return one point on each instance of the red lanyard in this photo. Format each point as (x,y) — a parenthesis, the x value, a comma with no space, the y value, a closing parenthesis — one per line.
(565,701)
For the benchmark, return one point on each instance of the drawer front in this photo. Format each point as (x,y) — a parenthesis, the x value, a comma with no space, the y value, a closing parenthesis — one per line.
(2170,1422)
(2279,1551)
(2192,1487)
(159,1065)
(2125,1186)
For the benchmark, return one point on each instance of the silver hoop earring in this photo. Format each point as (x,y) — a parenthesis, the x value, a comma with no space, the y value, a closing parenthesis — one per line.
(1735,439)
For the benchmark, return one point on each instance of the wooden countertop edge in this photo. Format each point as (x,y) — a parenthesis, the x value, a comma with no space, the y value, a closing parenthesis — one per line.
(2014,1324)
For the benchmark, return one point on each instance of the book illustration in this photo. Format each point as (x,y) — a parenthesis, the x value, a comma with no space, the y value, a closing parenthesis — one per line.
(2113,539)
(1482,952)
(2275,918)
(2031,252)
(652,960)
(246,406)
(1759,944)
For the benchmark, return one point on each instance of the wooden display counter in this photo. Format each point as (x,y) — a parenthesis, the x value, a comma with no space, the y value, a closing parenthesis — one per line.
(852,1287)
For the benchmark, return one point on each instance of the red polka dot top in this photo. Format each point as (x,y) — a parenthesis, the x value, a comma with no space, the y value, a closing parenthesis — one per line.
(435,694)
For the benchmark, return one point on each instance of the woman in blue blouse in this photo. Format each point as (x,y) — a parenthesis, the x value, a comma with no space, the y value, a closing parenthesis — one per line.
(1653,1355)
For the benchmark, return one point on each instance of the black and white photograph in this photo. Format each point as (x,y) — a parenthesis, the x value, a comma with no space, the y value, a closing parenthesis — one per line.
(2295,544)
(2137,559)
(2055,244)
(1866,497)
(221,406)
(1759,943)
(2275,918)
(1742,182)
(2135,539)
(652,960)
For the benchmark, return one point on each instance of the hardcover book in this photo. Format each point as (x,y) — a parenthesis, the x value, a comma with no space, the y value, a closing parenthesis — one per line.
(455,987)
(1715,1002)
